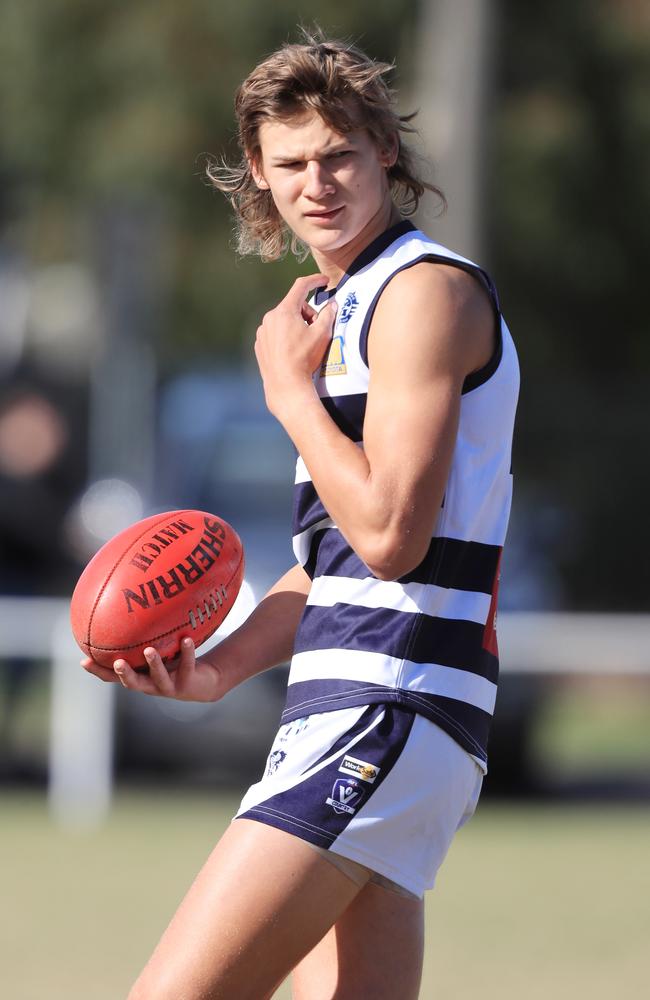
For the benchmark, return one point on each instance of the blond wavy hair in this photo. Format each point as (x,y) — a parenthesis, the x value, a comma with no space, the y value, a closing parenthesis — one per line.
(348,90)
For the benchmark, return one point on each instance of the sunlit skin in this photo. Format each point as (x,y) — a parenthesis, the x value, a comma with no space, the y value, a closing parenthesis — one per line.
(332,190)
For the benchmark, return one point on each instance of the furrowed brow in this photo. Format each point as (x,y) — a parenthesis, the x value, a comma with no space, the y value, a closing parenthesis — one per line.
(300,157)
(278,160)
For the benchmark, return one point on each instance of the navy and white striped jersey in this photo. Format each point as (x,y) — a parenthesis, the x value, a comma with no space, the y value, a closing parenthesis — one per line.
(427,640)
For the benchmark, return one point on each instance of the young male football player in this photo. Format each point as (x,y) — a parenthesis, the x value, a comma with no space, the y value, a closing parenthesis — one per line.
(394,374)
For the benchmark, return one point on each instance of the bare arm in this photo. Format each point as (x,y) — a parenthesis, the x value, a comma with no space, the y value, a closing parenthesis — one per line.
(432,326)
(264,640)
(266,637)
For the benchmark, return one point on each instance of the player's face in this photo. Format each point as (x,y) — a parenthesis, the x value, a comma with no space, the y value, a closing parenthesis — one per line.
(331,189)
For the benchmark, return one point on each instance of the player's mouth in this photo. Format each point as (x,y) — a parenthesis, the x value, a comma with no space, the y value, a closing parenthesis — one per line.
(321,216)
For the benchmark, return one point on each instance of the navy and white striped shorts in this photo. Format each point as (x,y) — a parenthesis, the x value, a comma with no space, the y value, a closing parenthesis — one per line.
(379,785)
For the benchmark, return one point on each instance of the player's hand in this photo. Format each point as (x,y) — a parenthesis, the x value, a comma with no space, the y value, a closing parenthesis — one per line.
(292,340)
(184,678)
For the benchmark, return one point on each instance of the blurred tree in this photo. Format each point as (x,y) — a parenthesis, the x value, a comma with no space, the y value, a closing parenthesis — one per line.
(100,102)
(569,191)
(104,103)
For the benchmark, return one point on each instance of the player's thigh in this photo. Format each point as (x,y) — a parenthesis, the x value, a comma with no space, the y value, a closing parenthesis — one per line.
(262,901)
(375,949)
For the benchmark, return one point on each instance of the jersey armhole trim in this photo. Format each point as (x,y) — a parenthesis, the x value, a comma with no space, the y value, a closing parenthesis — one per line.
(474,379)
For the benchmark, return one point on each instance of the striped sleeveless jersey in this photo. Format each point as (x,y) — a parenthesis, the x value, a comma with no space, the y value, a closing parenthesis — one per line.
(427,640)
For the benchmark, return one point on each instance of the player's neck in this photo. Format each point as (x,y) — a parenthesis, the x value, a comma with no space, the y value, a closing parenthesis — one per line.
(336,263)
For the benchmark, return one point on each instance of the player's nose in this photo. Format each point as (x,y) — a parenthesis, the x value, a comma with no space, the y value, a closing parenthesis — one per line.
(318,180)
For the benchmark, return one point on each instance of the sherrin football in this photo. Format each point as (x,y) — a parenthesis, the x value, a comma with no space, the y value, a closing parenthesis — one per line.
(166,577)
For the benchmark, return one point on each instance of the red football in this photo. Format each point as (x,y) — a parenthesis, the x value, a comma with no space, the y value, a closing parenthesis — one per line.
(165,577)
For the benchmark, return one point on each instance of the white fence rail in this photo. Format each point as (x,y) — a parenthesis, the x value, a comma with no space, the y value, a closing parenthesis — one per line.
(81,717)
(80,772)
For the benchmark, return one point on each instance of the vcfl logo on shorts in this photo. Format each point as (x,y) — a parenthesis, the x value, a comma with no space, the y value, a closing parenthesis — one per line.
(347,795)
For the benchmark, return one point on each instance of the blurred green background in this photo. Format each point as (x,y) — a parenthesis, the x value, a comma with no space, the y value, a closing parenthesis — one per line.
(127,386)
(531,902)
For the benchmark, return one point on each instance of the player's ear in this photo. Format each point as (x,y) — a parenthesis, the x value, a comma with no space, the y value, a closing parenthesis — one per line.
(389,151)
(257,175)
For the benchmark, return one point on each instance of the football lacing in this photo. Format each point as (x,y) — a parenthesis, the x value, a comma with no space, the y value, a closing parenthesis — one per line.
(213,602)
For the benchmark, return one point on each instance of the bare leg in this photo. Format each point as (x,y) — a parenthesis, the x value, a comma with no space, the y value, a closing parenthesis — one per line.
(375,949)
(262,901)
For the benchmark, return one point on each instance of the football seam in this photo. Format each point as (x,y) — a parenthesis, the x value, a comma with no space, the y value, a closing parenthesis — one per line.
(151,527)
(170,631)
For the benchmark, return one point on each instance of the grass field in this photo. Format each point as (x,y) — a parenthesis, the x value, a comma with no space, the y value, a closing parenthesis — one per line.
(532,901)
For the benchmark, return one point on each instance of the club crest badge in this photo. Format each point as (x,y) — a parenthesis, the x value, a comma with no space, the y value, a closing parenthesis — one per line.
(334,362)
(348,308)
(347,795)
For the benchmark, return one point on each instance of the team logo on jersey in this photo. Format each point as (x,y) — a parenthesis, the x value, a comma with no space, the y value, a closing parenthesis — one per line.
(348,308)
(334,363)
(347,795)
(490,631)
(359,768)
(275,759)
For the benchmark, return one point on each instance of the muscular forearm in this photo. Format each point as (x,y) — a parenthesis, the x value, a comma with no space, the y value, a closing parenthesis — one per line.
(266,638)
(383,497)
(339,468)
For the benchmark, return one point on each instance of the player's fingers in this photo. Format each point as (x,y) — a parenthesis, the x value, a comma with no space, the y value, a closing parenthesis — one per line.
(186,662)
(325,319)
(322,330)
(104,673)
(308,313)
(132,680)
(302,287)
(158,672)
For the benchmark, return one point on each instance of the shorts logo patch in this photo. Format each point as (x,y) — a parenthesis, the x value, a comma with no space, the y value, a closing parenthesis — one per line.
(292,729)
(275,759)
(359,768)
(347,795)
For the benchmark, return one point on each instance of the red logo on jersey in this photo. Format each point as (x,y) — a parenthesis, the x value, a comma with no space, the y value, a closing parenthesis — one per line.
(490,631)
